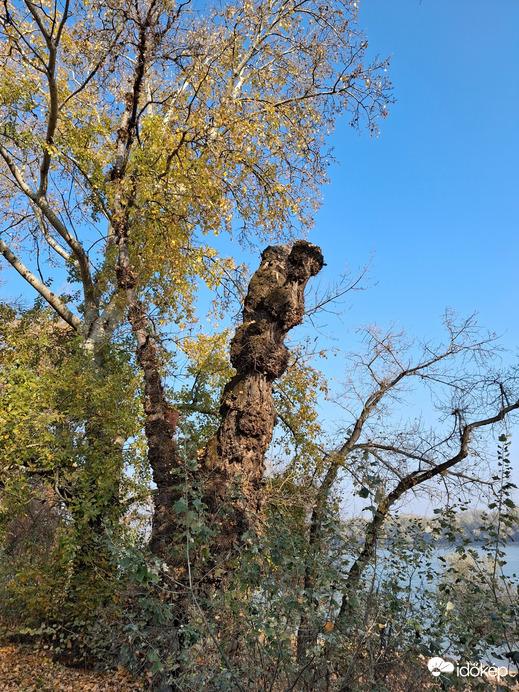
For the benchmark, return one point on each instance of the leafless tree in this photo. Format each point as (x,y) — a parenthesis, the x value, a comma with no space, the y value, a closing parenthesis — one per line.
(387,458)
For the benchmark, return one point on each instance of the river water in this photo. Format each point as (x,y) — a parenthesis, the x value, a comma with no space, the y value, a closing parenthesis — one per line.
(443,557)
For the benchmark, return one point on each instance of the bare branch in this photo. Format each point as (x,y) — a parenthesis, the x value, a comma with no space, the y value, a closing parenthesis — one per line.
(51,298)
(42,204)
(50,240)
(410,481)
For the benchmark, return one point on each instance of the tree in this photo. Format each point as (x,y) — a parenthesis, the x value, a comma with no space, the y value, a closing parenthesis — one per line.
(132,131)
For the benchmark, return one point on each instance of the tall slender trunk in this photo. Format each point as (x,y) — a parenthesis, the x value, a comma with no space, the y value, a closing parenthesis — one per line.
(162,452)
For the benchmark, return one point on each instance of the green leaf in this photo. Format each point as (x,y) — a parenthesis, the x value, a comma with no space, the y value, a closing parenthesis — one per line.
(156,667)
(180,506)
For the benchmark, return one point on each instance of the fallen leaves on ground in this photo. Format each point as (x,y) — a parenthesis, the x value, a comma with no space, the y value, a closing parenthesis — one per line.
(24,669)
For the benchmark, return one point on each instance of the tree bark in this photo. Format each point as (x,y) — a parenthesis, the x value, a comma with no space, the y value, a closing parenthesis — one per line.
(233,463)
(162,452)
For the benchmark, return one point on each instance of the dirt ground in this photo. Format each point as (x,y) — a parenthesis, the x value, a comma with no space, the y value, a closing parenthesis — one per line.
(26,670)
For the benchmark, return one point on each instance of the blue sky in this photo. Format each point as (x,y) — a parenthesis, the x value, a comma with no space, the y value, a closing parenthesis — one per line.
(435,196)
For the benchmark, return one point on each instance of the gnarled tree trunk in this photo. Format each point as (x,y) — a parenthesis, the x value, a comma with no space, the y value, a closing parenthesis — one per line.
(233,463)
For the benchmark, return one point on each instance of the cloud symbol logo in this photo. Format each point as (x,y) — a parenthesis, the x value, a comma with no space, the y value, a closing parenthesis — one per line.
(437,666)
